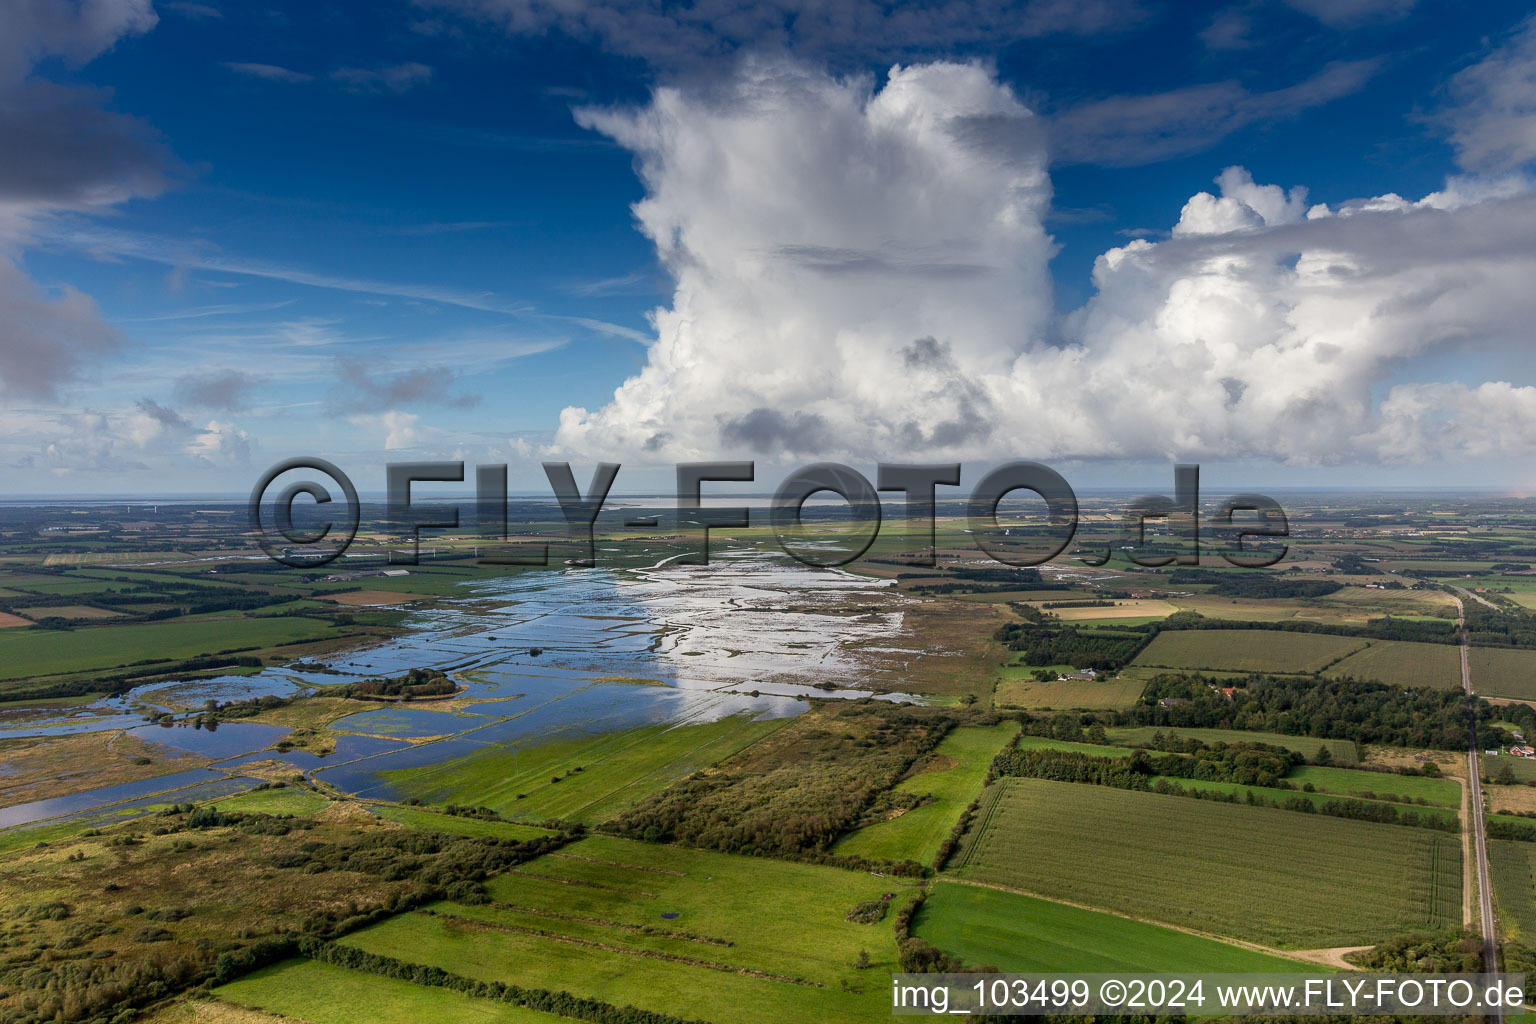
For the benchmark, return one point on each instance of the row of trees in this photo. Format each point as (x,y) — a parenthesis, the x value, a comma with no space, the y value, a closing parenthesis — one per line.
(1342,708)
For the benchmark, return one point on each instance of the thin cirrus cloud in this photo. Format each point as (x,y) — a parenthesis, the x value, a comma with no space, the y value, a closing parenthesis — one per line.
(1126,131)
(393,78)
(172,253)
(676,38)
(396,78)
(268,72)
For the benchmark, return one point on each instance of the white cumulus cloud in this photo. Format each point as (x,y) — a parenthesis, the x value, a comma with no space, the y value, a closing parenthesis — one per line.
(862,272)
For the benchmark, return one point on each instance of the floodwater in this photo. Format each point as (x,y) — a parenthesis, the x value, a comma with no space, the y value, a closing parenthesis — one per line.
(227,739)
(60,806)
(549,655)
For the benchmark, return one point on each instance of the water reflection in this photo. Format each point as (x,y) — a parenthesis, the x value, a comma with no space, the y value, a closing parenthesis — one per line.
(556,654)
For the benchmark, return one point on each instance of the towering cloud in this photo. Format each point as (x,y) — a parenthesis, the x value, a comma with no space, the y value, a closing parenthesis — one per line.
(862,271)
(847,261)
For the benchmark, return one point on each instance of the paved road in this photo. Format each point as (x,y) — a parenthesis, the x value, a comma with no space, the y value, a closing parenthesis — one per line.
(1479,600)
(1479,828)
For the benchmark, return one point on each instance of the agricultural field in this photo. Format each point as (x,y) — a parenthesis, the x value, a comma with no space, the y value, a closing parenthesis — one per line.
(1246,650)
(1343,751)
(1246,609)
(1501,672)
(951,779)
(1523,767)
(1264,875)
(1514,885)
(1403,663)
(1092,749)
(1014,932)
(1020,691)
(1344,782)
(733,940)
(586,779)
(322,994)
(26,653)
(1143,609)
(1513,800)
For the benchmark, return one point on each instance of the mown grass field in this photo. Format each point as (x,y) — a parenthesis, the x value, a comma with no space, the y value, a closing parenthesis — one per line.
(289,800)
(430,821)
(1269,876)
(1343,751)
(1500,672)
(1250,609)
(1343,781)
(1402,663)
(1246,650)
(1094,749)
(310,991)
(612,771)
(34,652)
(1014,932)
(1513,866)
(965,753)
(1023,692)
(1523,767)
(1144,609)
(755,941)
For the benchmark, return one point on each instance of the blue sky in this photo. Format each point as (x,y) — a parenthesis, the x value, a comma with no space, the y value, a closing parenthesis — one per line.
(405,230)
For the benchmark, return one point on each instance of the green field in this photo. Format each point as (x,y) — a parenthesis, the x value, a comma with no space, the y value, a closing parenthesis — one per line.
(918,833)
(35,652)
(429,821)
(1315,799)
(1343,751)
(1343,781)
(1523,767)
(1014,932)
(1269,876)
(613,771)
(290,800)
(1246,650)
(753,940)
(1023,692)
(1512,819)
(1252,609)
(1402,663)
(317,992)
(1513,866)
(1503,672)
(1093,749)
